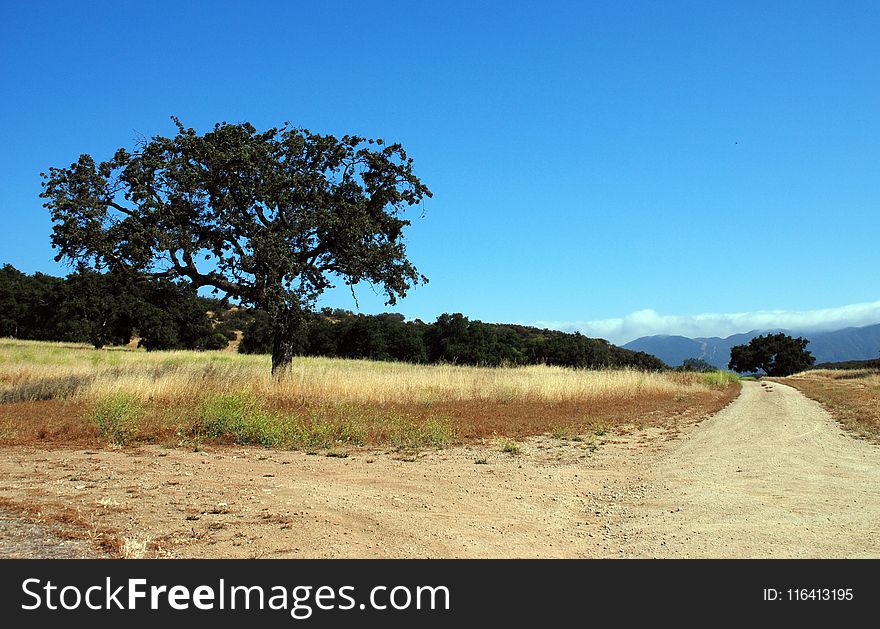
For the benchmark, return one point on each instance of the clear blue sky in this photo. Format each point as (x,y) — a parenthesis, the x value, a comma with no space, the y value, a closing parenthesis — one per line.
(588,159)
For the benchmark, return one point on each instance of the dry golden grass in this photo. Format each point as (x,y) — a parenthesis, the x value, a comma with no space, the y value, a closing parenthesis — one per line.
(31,370)
(362,401)
(852,396)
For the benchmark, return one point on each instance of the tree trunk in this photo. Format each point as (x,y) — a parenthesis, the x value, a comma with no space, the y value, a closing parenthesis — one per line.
(288,339)
(282,355)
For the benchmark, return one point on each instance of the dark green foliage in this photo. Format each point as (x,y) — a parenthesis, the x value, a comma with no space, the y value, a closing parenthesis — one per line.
(381,337)
(95,307)
(453,338)
(171,316)
(363,338)
(774,354)
(106,309)
(28,305)
(324,333)
(404,340)
(696,364)
(269,218)
(257,337)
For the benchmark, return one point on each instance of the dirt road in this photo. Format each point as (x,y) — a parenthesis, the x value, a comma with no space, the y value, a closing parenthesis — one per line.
(772,475)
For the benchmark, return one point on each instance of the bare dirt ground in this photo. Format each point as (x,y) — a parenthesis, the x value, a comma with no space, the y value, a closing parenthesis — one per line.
(250,502)
(772,475)
(21,539)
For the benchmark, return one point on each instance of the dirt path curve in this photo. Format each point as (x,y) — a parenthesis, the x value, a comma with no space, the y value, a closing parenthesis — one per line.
(772,475)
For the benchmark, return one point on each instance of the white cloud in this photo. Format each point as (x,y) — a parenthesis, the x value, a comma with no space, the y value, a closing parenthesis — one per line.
(649,322)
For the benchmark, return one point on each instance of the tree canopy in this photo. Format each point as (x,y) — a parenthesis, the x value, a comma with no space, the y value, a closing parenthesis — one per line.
(271,218)
(774,354)
(109,309)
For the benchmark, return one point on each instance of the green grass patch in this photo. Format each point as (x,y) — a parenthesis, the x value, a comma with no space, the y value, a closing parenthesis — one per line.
(719,379)
(406,433)
(117,417)
(509,446)
(564,432)
(600,430)
(317,433)
(241,417)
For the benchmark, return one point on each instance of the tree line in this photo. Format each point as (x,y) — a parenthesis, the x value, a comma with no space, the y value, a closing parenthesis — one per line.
(108,309)
(452,338)
(112,309)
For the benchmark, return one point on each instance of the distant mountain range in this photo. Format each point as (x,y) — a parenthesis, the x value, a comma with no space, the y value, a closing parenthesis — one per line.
(846,344)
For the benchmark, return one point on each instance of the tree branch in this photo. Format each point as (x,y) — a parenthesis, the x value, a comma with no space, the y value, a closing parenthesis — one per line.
(262,216)
(120,208)
(212,278)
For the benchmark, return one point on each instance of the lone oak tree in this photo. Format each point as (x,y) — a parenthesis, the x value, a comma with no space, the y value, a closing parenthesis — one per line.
(271,218)
(774,354)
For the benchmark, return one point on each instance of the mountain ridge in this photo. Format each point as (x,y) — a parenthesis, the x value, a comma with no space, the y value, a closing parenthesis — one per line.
(851,343)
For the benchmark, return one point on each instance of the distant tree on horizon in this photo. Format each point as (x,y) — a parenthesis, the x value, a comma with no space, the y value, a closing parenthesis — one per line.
(774,354)
(696,364)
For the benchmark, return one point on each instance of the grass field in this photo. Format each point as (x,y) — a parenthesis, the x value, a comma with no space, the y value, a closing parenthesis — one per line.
(852,396)
(69,393)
